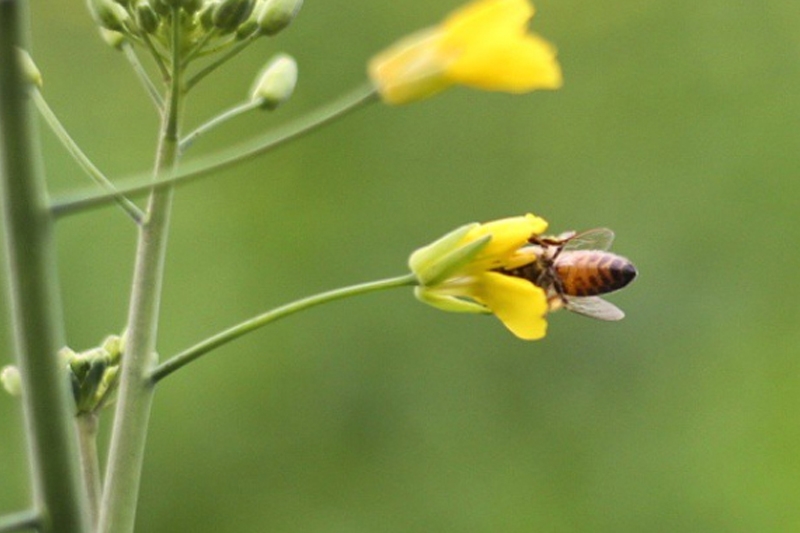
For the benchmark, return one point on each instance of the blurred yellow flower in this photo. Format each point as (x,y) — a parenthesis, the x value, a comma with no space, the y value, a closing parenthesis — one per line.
(460,272)
(484,45)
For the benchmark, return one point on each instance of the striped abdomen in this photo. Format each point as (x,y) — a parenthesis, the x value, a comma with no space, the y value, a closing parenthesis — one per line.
(592,272)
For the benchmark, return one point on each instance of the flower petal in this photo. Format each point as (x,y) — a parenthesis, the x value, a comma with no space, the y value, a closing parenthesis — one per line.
(489,48)
(411,69)
(518,303)
(486,17)
(514,64)
(508,235)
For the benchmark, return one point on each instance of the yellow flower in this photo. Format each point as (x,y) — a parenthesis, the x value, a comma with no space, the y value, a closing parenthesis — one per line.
(484,45)
(459,272)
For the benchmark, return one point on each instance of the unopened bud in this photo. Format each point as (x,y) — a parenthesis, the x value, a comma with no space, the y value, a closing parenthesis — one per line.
(275,15)
(162,7)
(113,348)
(108,14)
(246,29)
(276,83)
(228,14)
(146,18)
(114,39)
(11,380)
(206,16)
(191,6)
(29,68)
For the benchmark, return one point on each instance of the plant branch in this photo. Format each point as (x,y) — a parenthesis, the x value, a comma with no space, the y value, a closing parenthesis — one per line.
(207,165)
(187,356)
(85,163)
(141,73)
(219,61)
(58,495)
(162,68)
(223,117)
(20,521)
(135,396)
(90,465)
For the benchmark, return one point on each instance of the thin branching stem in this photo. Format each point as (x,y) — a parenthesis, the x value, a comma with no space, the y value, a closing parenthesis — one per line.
(223,117)
(86,424)
(21,521)
(240,153)
(197,48)
(141,73)
(157,57)
(219,61)
(82,159)
(215,341)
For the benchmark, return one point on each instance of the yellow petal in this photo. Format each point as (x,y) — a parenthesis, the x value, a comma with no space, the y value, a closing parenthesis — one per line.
(409,70)
(508,235)
(488,47)
(487,16)
(518,303)
(516,66)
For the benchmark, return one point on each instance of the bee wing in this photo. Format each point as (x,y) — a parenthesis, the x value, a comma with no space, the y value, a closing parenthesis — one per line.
(595,307)
(592,239)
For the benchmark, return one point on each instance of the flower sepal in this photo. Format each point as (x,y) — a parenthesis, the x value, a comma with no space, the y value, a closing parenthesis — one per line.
(437,261)
(451,304)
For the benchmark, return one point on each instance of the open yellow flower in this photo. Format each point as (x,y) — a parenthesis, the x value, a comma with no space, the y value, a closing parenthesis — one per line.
(484,45)
(459,272)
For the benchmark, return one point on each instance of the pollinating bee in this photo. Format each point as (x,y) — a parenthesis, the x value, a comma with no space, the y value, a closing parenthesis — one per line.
(575,268)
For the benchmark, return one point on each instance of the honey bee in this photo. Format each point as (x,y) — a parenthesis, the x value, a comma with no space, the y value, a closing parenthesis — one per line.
(574,268)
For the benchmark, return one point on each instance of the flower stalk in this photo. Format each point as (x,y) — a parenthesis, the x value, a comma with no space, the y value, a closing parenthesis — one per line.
(205,166)
(190,354)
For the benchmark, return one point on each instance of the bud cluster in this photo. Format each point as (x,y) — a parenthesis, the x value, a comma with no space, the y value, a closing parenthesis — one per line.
(92,374)
(206,26)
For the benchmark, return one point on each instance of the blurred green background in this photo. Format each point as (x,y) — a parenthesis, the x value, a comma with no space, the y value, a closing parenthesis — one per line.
(677,127)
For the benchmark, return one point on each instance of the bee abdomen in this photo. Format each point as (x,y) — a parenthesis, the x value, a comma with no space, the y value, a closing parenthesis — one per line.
(589,273)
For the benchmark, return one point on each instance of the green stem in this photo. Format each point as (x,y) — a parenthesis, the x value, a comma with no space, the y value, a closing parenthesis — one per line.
(141,73)
(90,465)
(135,396)
(162,68)
(219,61)
(197,47)
(85,163)
(36,312)
(187,356)
(24,520)
(227,158)
(223,117)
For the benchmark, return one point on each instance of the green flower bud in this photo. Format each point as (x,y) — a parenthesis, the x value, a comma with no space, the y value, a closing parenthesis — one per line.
(108,14)
(146,18)
(206,16)
(191,6)
(162,7)
(246,29)
(228,14)
(275,15)
(29,68)
(114,39)
(113,348)
(11,380)
(276,83)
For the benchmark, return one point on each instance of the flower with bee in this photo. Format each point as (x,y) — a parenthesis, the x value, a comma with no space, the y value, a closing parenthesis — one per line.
(508,268)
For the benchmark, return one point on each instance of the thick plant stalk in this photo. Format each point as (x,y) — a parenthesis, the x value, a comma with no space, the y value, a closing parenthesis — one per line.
(135,396)
(59,497)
